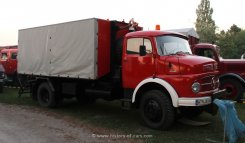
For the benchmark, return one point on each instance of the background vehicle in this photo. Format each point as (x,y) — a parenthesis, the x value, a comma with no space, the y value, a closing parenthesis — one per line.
(232,71)
(94,58)
(9,62)
(2,77)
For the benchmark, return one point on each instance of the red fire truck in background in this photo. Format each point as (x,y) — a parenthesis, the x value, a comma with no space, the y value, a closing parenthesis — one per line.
(8,58)
(232,71)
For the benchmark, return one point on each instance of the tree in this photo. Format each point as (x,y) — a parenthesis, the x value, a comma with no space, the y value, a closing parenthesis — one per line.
(234,30)
(232,43)
(205,25)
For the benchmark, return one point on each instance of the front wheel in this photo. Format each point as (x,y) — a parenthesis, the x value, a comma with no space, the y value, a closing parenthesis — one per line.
(156,110)
(234,89)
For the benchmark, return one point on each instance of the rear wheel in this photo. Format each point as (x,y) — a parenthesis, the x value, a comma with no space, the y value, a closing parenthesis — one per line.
(46,97)
(156,110)
(234,89)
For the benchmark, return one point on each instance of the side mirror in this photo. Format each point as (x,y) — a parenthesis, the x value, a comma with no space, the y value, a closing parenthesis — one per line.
(142,50)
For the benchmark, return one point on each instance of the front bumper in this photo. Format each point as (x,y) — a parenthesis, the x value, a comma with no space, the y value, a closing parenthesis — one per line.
(200,101)
(219,94)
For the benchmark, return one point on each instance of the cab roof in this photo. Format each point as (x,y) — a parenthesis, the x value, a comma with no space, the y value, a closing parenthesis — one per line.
(153,33)
(9,50)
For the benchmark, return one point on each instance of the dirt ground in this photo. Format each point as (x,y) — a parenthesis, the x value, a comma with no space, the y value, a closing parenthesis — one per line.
(21,124)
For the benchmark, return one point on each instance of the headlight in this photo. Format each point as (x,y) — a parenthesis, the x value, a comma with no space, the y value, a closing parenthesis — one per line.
(195,87)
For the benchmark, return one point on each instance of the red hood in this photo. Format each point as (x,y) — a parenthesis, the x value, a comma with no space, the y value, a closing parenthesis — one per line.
(191,64)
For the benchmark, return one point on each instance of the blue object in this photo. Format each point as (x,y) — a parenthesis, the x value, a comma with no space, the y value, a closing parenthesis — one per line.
(233,127)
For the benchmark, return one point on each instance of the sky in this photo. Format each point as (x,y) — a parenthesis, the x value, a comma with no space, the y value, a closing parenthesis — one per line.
(170,14)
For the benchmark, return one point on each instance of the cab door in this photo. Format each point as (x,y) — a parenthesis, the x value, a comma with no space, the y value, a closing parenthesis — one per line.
(136,68)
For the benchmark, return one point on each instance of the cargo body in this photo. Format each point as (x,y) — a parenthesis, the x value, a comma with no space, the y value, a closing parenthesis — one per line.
(94,58)
(78,49)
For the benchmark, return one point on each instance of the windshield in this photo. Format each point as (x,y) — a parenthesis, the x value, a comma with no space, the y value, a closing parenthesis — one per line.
(171,44)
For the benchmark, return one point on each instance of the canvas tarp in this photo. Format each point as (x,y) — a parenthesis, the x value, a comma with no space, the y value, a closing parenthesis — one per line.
(187,32)
(64,50)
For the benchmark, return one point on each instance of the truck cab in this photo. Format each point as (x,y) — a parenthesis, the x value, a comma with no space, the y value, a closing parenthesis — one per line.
(232,71)
(159,66)
(9,61)
(166,56)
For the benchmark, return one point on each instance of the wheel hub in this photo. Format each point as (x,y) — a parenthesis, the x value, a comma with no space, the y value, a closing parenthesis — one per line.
(153,110)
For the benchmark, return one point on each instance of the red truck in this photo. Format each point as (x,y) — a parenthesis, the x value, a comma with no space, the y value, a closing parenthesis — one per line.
(232,71)
(9,61)
(94,58)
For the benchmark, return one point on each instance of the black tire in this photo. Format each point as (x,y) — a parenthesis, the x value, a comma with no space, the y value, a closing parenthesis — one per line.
(191,112)
(233,87)
(45,96)
(156,110)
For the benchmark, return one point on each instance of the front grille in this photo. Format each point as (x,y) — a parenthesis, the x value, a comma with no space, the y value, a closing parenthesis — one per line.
(209,83)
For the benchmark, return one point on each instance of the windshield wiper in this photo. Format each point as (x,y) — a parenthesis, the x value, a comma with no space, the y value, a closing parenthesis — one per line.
(179,52)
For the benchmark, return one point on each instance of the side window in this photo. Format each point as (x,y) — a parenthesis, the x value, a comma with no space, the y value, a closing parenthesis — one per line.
(133,45)
(14,56)
(209,53)
(4,56)
(147,43)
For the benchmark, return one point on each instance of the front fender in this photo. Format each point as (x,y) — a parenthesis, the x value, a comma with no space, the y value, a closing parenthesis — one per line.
(173,94)
(233,75)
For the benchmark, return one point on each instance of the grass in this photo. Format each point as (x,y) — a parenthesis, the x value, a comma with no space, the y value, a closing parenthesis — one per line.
(109,116)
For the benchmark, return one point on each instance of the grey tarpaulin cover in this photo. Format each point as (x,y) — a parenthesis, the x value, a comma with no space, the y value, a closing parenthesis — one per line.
(234,128)
(187,32)
(64,50)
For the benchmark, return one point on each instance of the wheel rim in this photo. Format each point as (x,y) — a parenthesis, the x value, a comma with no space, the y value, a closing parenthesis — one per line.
(153,111)
(44,96)
(231,91)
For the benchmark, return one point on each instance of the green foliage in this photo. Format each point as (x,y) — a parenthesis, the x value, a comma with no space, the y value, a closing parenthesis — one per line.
(232,43)
(205,25)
